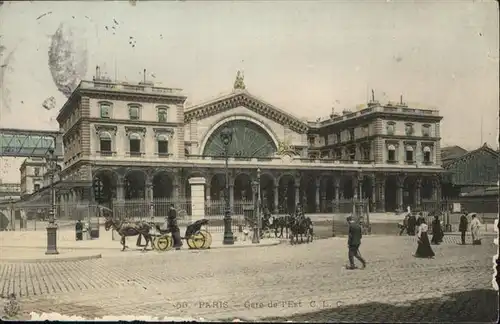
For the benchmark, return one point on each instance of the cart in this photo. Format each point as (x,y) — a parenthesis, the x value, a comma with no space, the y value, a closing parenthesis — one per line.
(196,237)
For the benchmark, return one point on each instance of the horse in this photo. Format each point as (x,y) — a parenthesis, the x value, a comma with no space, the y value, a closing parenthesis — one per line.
(281,223)
(125,229)
(301,225)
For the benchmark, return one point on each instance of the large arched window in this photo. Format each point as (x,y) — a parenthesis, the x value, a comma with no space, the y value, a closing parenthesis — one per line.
(249,140)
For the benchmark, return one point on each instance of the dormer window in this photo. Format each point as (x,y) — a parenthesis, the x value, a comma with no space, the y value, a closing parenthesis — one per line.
(409,129)
(391,128)
(409,154)
(426,130)
(134,112)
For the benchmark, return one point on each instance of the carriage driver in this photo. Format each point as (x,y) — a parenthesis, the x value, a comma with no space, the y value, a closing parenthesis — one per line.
(173,228)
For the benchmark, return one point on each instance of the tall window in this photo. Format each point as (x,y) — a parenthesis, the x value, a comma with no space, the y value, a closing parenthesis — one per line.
(352,153)
(409,129)
(351,134)
(105,143)
(105,110)
(311,140)
(426,130)
(365,152)
(338,137)
(134,112)
(162,145)
(391,128)
(162,114)
(427,154)
(36,187)
(338,154)
(135,144)
(391,153)
(37,172)
(365,130)
(409,154)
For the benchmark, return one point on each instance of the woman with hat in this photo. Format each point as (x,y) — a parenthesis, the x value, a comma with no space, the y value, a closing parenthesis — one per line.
(424,249)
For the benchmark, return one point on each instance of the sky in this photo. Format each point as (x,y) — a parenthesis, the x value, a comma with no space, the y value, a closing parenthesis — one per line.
(304,57)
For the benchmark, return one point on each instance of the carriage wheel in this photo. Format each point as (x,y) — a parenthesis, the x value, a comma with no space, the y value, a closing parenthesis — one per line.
(164,243)
(208,239)
(199,240)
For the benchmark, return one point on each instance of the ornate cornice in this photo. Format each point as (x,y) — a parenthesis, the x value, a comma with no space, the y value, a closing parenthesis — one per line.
(163,130)
(105,128)
(244,99)
(135,129)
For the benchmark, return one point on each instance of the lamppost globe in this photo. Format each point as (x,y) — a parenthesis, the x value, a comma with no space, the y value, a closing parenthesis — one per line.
(226,136)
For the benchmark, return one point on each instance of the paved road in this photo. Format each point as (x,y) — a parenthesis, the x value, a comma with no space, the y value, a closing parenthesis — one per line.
(305,282)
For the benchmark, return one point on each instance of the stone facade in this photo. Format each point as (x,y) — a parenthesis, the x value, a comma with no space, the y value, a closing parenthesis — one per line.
(141,142)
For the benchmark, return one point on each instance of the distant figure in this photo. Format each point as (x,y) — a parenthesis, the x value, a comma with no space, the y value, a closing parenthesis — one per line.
(404,226)
(354,241)
(437,231)
(412,221)
(420,219)
(462,228)
(475,226)
(424,249)
(173,228)
(79,230)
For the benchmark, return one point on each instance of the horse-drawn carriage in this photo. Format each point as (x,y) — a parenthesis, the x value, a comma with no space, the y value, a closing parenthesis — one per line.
(160,239)
(195,236)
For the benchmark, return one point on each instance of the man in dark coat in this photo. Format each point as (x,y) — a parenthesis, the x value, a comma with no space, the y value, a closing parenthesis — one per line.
(173,228)
(79,230)
(412,221)
(462,227)
(354,241)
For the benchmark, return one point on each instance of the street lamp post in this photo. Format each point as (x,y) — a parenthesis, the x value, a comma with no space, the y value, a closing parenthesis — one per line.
(52,226)
(256,222)
(226,137)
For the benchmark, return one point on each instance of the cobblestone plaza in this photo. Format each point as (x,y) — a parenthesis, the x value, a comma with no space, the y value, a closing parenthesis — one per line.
(303,283)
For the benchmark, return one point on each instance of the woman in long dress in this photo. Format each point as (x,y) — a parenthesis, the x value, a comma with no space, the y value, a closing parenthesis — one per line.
(424,249)
(475,224)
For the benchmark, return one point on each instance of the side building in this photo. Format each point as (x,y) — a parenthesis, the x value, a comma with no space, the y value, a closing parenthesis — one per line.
(139,141)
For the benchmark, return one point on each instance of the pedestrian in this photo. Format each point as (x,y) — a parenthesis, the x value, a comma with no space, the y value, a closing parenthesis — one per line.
(79,230)
(353,243)
(404,227)
(412,221)
(475,226)
(173,228)
(424,249)
(462,227)
(437,231)
(420,219)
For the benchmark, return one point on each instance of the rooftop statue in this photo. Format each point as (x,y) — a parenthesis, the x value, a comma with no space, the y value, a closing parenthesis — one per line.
(239,83)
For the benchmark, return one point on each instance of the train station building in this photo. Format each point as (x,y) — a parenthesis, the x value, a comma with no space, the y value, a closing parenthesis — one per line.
(140,141)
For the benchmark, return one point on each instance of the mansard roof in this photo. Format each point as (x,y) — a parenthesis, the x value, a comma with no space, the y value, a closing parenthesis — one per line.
(241,97)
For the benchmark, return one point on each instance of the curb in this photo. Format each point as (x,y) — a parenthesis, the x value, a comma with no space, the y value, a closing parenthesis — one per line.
(62,259)
(258,245)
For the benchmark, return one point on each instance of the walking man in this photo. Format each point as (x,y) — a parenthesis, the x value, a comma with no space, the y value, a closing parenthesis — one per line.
(353,243)
(462,227)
